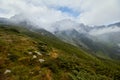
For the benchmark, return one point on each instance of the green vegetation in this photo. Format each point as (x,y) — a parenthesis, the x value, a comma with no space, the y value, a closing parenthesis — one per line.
(39,55)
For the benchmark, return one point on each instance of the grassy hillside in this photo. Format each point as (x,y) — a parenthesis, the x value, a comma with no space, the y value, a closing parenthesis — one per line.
(38,55)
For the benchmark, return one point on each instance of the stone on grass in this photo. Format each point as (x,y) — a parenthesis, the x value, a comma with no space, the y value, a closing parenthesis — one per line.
(7,71)
(34,56)
(41,60)
(38,53)
(30,53)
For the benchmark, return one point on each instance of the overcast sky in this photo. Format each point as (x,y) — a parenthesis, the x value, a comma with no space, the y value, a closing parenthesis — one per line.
(91,12)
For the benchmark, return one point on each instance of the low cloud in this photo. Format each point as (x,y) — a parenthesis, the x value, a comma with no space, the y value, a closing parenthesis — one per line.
(96,32)
(99,12)
(45,12)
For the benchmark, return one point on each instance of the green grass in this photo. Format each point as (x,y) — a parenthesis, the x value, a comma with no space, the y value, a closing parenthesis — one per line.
(71,63)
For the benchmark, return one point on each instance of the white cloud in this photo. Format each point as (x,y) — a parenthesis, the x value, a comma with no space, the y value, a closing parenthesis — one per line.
(98,12)
(96,32)
(34,10)
(119,45)
(93,12)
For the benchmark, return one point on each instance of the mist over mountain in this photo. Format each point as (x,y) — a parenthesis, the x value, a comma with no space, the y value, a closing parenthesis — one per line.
(59,40)
(39,54)
(105,38)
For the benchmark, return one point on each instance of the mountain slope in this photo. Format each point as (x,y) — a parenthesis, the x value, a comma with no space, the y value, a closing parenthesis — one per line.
(38,54)
(99,39)
(103,40)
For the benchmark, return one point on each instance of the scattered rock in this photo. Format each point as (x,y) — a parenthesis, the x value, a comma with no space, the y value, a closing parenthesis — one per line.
(41,60)
(38,53)
(7,71)
(9,54)
(30,53)
(34,56)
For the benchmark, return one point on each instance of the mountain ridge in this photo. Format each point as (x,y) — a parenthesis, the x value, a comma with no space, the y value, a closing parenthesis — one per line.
(39,54)
(91,38)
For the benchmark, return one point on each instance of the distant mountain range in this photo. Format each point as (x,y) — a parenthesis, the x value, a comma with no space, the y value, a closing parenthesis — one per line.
(48,55)
(100,39)
(103,40)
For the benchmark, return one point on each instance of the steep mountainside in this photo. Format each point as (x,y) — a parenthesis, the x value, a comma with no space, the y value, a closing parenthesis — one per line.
(95,38)
(27,54)
(102,40)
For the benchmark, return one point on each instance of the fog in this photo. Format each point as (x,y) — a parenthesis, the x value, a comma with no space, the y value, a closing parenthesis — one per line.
(96,32)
